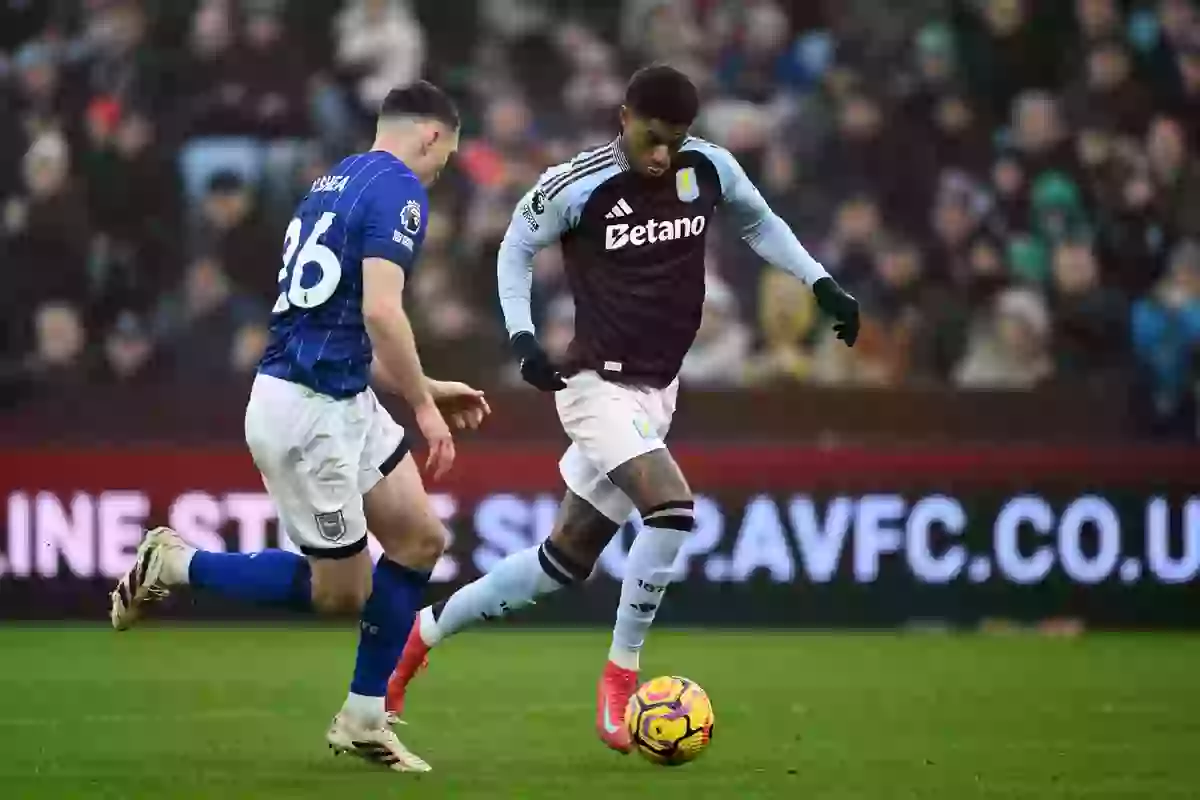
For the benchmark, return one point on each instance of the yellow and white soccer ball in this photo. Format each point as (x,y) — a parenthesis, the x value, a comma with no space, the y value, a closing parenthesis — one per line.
(671,719)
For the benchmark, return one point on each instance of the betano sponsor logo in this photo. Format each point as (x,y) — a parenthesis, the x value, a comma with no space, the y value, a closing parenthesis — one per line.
(1022,540)
(621,235)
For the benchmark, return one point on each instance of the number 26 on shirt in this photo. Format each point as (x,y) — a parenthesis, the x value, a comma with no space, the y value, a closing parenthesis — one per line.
(294,264)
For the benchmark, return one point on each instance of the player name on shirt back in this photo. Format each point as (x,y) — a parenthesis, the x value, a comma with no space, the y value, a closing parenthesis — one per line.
(330,183)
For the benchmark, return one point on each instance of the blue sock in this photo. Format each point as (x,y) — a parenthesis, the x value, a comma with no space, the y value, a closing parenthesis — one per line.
(272,577)
(387,619)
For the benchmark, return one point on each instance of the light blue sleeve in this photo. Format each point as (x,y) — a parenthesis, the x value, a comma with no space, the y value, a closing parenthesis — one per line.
(759,226)
(536,223)
(544,215)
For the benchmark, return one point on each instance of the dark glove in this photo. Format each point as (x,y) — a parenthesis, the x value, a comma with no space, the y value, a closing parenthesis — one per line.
(841,305)
(536,368)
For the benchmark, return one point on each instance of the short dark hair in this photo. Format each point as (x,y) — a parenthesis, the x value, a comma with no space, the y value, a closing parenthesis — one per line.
(421,99)
(663,92)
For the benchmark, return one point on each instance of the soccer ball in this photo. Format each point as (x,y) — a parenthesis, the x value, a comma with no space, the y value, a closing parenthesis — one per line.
(671,720)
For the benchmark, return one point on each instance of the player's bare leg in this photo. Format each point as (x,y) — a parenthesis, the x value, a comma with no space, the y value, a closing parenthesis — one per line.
(567,557)
(660,492)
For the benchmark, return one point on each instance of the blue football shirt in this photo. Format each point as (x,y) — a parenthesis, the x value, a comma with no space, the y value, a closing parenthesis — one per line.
(369,206)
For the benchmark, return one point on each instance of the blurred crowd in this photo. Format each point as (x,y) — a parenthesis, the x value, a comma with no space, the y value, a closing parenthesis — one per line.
(1011,187)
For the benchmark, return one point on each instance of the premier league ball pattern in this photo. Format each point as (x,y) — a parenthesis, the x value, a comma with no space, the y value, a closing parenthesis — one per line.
(671,720)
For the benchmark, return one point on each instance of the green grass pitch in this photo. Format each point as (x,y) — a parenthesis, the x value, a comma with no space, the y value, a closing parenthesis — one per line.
(206,712)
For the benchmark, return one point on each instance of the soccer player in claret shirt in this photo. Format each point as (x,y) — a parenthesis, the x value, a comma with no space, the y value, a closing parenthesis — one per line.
(631,218)
(332,458)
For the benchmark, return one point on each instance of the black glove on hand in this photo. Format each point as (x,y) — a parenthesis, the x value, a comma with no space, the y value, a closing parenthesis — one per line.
(536,369)
(841,305)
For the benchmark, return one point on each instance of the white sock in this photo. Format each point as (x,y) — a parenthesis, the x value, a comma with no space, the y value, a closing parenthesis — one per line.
(176,556)
(427,627)
(648,571)
(368,711)
(177,565)
(514,583)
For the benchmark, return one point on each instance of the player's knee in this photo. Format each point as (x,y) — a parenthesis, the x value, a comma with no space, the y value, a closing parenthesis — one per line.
(428,545)
(340,601)
(419,547)
(677,515)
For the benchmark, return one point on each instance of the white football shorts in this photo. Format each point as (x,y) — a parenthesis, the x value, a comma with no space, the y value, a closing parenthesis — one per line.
(609,424)
(318,456)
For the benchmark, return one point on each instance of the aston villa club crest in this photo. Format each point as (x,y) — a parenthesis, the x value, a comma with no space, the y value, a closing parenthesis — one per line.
(686,185)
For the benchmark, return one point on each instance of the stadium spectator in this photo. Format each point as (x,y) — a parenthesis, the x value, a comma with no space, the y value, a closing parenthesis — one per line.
(938,108)
(594,92)
(1010,192)
(718,357)
(122,62)
(382,42)
(1109,92)
(663,30)
(1011,350)
(206,329)
(445,296)
(1058,211)
(515,19)
(787,315)
(935,56)
(501,164)
(958,136)
(275,76)
(1040,136)
(1135,238)
(59,361)
(277,101)
(905,314)
(44,100)
(1166,340)
(1175,173)
(1172,49)
(47,230)
(212,108)
(889,158)
(850,250)
(248,109)
(761,62)
(1097,21)
(1007,47)
(958,215)
(1090,319)
(128,350)
(232,230)
(142,198)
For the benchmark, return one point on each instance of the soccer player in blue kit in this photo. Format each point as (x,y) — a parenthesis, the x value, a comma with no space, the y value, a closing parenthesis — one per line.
(331,457)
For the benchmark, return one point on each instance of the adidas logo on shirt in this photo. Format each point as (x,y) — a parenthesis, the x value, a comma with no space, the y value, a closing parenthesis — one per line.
(621,209)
